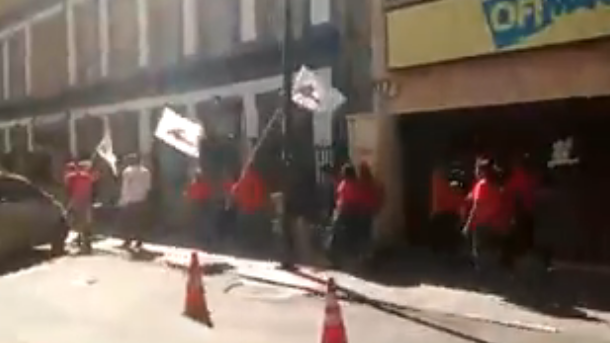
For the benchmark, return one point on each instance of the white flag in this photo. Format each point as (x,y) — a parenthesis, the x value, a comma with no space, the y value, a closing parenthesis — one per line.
(312,93)
(106,151)
(181,133)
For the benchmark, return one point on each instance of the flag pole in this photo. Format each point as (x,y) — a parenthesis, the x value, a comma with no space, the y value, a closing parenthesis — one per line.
(287,109)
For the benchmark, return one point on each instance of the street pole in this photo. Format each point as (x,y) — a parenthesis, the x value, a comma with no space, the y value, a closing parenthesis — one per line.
(287,109)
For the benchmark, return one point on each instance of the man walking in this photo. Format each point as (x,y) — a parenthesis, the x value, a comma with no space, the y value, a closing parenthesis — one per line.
(135,186)
(79,180)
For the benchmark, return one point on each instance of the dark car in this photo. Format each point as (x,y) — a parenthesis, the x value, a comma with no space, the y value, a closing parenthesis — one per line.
(29,217)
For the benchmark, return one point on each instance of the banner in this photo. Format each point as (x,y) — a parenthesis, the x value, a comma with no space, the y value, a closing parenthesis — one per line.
(180,133)
(312,93)
(105,150)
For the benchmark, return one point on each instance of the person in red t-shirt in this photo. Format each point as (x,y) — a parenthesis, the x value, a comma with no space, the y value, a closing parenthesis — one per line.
(446,205)
(520,189)
(249,192)
(371,195)
(347,214)
(79,180)
(488,221)
(251,199)
(199,196)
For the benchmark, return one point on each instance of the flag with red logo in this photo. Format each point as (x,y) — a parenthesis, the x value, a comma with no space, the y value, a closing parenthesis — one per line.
(313,93)
(179,132)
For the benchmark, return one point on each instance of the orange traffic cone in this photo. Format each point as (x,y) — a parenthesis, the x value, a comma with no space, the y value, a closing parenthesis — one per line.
(195,306)
(334,328)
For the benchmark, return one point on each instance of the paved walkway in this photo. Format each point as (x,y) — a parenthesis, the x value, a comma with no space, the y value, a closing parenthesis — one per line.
(418,295)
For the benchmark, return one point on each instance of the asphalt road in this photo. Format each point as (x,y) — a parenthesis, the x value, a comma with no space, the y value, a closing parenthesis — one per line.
(107,299)
(112,300)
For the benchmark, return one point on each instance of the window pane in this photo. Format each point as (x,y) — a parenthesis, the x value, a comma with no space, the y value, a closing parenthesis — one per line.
(125,132)
(89,132)
(17,64)
(124,44)
(86,22)
(218,26)
(49,65)
(165,32)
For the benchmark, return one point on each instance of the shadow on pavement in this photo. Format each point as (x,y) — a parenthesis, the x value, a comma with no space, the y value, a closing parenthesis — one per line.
(559,293)
(23,260)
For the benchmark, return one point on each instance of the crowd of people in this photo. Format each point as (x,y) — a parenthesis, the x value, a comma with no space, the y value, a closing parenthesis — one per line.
(221,210)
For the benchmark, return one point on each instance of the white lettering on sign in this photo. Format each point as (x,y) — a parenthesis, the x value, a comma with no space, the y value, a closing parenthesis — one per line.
(562,154)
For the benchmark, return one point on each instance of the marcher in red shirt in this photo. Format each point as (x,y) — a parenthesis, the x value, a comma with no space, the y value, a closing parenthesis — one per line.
(371,192)
(199,189)
(251,198)
(488,221)
(371,196)
(199,194)
(520,192)
(446,205)
(521,186)
(249,192)
(347,215)
(79,184)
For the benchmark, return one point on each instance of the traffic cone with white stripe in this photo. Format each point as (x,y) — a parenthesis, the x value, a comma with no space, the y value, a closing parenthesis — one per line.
(334,327)
(195,306)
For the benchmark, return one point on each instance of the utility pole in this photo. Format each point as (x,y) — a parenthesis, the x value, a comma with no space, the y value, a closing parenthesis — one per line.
(287,110)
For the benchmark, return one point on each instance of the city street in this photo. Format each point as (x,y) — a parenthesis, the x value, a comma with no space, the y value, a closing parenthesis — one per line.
(109,298)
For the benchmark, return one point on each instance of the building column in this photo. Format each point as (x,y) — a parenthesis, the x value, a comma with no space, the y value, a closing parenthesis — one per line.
(30,132)
(251,119)
(72,134)
(190,31)
(7,139)
(104,36)
(143,36)
(71,39)
(6,81)
(144,131)
(28,58)
(247,20)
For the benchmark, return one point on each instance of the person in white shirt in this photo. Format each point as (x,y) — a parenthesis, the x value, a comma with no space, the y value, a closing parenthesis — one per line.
(135,186)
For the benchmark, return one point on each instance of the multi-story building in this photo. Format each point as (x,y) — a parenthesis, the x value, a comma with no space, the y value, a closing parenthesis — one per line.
(496,77)
(70,68)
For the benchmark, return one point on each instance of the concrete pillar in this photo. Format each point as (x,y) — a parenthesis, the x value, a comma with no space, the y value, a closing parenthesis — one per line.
(390,222)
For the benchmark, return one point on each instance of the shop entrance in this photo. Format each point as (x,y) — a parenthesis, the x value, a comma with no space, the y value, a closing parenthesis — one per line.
(452,140)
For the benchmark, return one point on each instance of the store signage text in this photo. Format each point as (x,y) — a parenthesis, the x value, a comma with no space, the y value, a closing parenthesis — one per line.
(513,21)
(446,30)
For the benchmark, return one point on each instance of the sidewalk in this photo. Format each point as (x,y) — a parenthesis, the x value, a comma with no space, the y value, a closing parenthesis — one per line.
(413,296)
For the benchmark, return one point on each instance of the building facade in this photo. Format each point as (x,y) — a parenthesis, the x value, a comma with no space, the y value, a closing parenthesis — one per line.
(495,77)
(72,68)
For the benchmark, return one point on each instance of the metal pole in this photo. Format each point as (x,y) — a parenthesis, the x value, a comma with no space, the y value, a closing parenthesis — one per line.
(287,109)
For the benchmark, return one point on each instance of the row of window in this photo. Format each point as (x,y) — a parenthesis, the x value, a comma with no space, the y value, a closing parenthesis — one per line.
(77,43)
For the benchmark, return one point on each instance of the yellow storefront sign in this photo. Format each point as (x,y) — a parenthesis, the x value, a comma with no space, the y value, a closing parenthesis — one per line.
(445,30)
